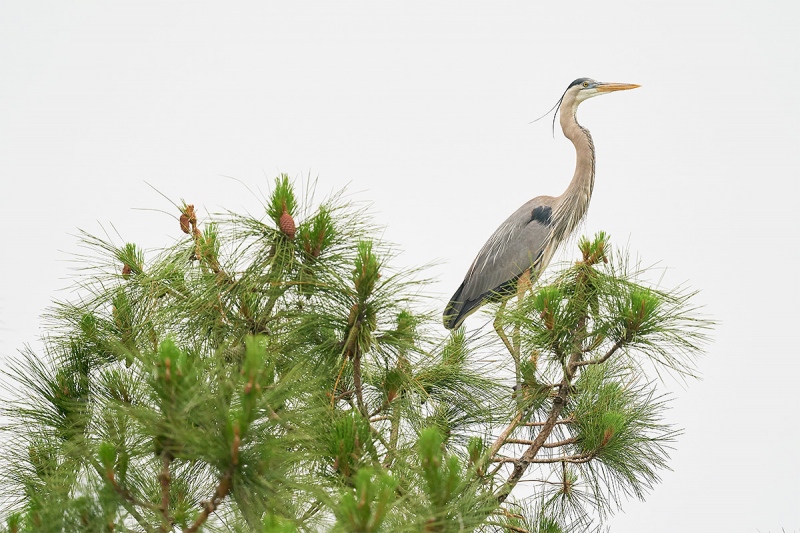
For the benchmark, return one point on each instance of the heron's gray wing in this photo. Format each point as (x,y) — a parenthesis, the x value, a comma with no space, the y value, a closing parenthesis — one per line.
(513,248)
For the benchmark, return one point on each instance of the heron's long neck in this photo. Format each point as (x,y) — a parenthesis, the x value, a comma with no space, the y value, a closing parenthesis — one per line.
(573,204)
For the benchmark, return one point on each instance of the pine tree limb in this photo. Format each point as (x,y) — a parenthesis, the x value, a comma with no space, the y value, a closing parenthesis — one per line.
(617,345)
(357,383)
(564,442)
(503,437)
(128,500)
(575,459)
(209,506)
(521,465)
(164,479)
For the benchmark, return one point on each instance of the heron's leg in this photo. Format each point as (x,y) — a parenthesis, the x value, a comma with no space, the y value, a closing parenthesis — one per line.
(498,327)
(523,285)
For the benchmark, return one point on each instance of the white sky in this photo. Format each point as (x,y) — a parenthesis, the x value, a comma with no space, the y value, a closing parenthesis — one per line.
(424,109)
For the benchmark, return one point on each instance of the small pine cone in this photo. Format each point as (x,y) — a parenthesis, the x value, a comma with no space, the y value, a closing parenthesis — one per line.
(126,271)
(286,223)
(185,223)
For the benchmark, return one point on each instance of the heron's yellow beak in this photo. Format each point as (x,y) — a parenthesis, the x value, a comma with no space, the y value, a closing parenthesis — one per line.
(609,87)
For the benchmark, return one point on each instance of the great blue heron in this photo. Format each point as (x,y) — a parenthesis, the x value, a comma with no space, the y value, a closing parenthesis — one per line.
(527,240)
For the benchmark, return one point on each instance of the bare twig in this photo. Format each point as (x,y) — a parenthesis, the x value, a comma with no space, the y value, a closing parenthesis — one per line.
(334,396)
(383,406)
(504,459)
(357,383)
(223,487)
(544,481)
(394,436)
(603,359)
(576,458)
(314,509)
(372,451)
(509,514)
(164,479)
(352,351)
(505,434)
(126,494)
(129,506)
(211,505)
(572,440)
(496,469)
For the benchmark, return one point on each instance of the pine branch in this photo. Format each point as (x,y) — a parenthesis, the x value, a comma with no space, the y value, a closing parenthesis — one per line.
(223,488)
(576,458)
(211,505)
(164,479)
(129,506)
(312,510)
(521,465)
(394,436)
(129,501)
(373,415)
(617,345)
(564,442)
(357,383)
(502,439)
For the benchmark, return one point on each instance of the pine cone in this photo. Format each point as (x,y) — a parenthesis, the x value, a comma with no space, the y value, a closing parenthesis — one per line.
(286,224)
(185,223)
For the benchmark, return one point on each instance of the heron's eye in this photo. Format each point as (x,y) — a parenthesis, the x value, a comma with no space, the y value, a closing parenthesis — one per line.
(585,84)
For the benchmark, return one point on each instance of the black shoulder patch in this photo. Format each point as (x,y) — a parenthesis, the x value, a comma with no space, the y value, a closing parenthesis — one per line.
(541,214)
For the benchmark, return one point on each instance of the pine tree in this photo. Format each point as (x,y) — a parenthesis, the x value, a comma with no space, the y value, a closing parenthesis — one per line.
(275,373)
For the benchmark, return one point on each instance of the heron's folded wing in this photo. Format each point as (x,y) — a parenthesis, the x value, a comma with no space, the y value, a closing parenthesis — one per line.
(515,246)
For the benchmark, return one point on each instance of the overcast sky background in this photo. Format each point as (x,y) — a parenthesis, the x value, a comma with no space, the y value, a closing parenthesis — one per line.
(423,108)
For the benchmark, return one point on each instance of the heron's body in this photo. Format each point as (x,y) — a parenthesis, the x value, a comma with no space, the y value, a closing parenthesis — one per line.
(528,239)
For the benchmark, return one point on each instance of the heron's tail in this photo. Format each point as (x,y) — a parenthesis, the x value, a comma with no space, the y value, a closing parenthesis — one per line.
(458,310)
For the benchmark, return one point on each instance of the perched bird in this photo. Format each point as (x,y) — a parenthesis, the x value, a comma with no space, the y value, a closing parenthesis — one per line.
(527,240)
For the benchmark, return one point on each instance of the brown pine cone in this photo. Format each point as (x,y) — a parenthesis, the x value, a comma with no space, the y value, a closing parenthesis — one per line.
(286,224)
(185,223)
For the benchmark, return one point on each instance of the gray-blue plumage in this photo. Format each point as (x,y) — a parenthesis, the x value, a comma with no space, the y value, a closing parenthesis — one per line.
(512,249)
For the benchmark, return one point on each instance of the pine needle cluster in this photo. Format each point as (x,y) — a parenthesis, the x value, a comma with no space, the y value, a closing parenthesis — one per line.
(274,373)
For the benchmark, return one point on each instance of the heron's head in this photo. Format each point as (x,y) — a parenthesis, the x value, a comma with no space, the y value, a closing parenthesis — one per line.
(580,90)
(585,88)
